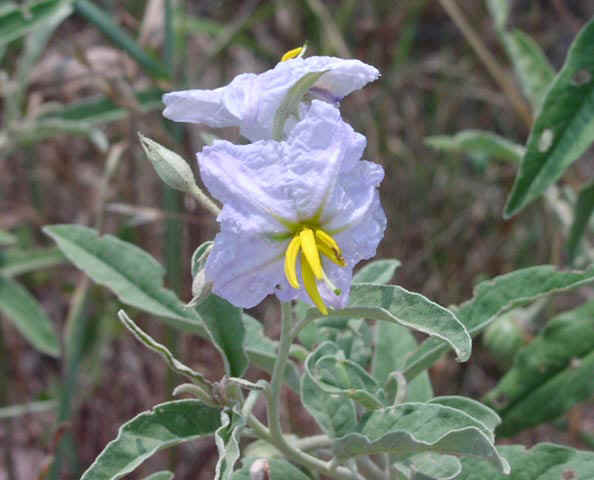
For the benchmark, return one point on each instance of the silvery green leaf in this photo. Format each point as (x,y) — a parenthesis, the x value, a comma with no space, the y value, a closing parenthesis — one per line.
(431,466)
(225,328)
(163,426)
(197,392)
(564,127)
(493,297)
(393,344)
(200,256)
(268,469)
(130,272)
(201,289)
(290,104)
(335,414)
(499,10)
(262,351)
(172,168)
(227,441)
(164,475)
(475,409)
(16,262)
(162,350)
(378,271)
(412,428)
(531,65)
(542,462)
(28,317)
(550,374)
(478,143)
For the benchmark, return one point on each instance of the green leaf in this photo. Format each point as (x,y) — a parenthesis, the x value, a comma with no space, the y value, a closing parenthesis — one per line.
(28,317)
(225,328)
(550,375)
(277,468)
(7,238)
(492,298)
(130,272)
(227,441)
(499,10)
(98,111)
(478,143)
(199,257)
(103,21)
(412,428)
(379,271)
(430,466)
(262,351)
(336,415)
(293,98)
(542,462)
(583,212)
(166,425)
(475,409)
(531,65)
(162,350)
(170,167)
(18,21)
(393,344)
(563,129)
(395,304)
(17,262)
(164,475)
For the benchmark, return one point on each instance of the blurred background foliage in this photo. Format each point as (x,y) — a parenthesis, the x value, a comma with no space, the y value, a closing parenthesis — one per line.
(78,80)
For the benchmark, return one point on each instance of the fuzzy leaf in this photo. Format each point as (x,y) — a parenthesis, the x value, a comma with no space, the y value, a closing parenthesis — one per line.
(227,441)
(493,297)
(378,271)
(430,466)
(28,317)
(475,409)
(564,127)
(164,475)
(164,426)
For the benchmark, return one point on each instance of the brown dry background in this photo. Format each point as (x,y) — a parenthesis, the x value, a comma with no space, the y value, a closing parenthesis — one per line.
(445,211)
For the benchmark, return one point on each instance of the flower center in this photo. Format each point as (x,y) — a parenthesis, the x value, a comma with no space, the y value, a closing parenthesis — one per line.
(312,243)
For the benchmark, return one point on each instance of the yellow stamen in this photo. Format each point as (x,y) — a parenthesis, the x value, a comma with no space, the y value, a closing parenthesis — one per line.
(326,242)
(311,286)
(294,53)
(310,252)
(291,261)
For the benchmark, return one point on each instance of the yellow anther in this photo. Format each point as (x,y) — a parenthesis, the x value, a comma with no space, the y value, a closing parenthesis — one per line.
(295,53)
(310,252)
(325,243)
(311,287)
(291,261)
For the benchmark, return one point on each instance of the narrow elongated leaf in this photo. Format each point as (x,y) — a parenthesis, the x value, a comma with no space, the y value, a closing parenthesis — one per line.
(162,350)
(293,98)
(17,21)
(393,344)
(395,304)
(276,469)
(98,111)
(412,428)
(493,297)
(17,262)
(550,375)
(478,143)
(582,215)
(225,328)
(103,21)
(335,414)
(499,10)
(564,128)
(568,388)
(262,351)
(28,317)
(164,426)
(378,271)
(531,65)
(130,272)
(227,441)
(542,462)
(475,409)
(164,475)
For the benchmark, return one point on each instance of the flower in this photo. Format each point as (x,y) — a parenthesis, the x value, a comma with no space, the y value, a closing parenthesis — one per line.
(250,101)
(309,196)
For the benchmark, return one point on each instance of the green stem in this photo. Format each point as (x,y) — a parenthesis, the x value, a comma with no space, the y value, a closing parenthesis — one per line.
(274,432)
